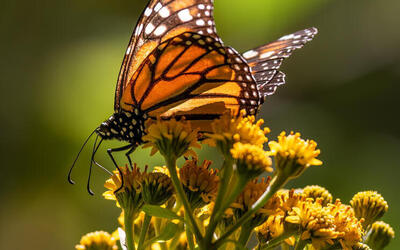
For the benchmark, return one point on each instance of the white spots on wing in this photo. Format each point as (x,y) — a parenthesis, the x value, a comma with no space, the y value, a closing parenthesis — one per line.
(185,15)
(209,22)
(149,28)
(160,30)
(201,6)
(157,7)
(148,11)
(207,13)
(267,54)
(201,32)
(210,31)
(209,7)
(128,50)
(164,12)
(200,22)
(250,54)
(139,29)
(287,37)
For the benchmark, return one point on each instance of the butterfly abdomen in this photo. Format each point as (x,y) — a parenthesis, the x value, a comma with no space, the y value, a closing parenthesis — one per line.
(123,126)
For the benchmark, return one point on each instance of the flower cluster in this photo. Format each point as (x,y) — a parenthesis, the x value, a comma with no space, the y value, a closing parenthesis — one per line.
(194,204)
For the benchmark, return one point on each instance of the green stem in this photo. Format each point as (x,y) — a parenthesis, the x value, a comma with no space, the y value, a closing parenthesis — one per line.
(145,227)
(300,245)
(128,222)
(189,236)
(245,235)
(276,183)
(180,193)
(227,170)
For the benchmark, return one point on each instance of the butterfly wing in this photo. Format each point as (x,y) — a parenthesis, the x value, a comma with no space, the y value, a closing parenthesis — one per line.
(266,60)
(191,75)
(160,21)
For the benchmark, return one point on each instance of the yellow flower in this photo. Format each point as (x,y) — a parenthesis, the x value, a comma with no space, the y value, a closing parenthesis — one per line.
(251,160)
(288,200)
(98,240)
(347,224)
(251,193)
(200,183)
(369,205)
(273,227)
(156,188)
(129,197)
(293,154)
(315,222)
(315,191)
(229,129)
(171,138)
(380,235)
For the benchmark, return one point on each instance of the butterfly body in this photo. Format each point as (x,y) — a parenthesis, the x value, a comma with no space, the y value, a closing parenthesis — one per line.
(123,126)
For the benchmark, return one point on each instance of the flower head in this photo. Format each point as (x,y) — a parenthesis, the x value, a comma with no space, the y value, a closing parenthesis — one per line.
(380,235)
(271,228)
(251,160)
(315,192)
(230,129)
(251,193)
(129,197)
(98,240)
(199,182)
(156,188)
(171,137)
(293,154)
(369,205)
(347,224)
(315,222)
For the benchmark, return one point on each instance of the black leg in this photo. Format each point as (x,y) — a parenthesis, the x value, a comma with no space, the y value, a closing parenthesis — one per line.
(133,148)
(109,151)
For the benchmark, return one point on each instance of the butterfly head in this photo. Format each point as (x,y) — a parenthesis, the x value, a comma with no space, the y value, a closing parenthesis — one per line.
(123,126)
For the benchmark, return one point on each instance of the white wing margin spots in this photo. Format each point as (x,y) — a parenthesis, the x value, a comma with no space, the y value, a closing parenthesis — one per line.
(265,61)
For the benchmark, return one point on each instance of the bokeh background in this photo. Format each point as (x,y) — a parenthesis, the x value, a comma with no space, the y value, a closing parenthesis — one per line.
(59,64)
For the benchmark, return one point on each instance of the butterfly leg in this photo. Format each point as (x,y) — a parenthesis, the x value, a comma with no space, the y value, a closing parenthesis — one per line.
(131,150)
(109,151)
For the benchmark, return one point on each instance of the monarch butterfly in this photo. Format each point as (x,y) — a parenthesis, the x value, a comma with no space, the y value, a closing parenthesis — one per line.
(177,66)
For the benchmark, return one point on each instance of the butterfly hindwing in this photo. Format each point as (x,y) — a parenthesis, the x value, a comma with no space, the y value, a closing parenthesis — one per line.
(266,60)
(160,21)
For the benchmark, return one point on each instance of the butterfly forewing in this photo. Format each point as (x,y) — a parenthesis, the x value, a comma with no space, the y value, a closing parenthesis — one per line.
(160,21)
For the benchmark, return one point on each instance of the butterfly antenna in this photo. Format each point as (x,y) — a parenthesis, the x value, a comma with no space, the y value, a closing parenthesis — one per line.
(95,148)
(76,158)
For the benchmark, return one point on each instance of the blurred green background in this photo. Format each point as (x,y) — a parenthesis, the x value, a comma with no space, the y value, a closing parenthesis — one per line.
(59,64)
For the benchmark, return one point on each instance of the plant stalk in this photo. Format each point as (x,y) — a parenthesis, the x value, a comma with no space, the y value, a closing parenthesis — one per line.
(180,193)
(128,223)
(145,227)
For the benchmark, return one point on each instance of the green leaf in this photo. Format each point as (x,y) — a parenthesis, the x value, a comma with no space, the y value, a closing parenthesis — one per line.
(167,234)
(161,212)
